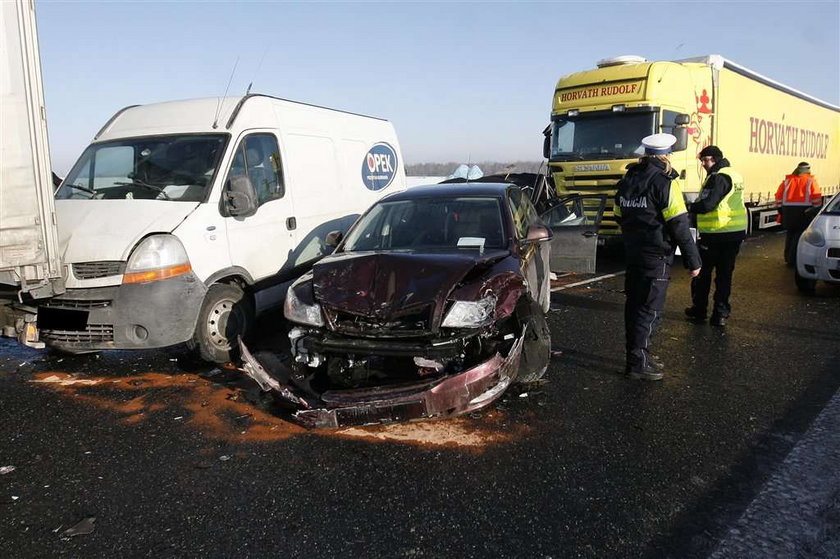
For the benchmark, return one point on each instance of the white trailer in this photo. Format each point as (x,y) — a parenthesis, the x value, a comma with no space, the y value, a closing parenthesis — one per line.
(30,267)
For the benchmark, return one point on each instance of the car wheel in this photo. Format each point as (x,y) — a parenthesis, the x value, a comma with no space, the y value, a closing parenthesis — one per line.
(536,349)
(226,313)
(805,285)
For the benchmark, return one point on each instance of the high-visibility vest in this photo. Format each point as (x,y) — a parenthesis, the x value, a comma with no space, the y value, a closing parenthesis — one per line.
(730,215)
(799,190)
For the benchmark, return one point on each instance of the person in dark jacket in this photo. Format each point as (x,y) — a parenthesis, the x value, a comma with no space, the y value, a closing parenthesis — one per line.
(652,214)
(722,224)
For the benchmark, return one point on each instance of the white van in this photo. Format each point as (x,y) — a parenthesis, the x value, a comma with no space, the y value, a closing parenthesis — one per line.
(179,218)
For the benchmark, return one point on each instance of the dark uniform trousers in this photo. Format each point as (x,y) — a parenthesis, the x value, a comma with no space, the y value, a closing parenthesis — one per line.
(719,256)
(645,287)
(794,221)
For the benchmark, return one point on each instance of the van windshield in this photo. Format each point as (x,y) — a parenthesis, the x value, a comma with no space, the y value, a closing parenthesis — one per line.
(613,135)
(179,168)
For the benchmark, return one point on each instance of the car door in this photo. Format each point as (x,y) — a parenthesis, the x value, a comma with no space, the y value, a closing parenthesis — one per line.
(534,256)
(574,221)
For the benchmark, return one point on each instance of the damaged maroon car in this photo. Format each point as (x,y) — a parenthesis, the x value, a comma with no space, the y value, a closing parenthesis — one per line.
(431,306)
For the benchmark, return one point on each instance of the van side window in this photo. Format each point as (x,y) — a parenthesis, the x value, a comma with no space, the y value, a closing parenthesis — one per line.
(258,157)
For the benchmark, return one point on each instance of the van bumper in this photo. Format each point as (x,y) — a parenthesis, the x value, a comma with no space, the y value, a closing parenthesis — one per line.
(136,316)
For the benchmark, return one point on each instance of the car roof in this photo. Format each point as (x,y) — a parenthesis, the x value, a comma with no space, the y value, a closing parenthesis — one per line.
(450,190)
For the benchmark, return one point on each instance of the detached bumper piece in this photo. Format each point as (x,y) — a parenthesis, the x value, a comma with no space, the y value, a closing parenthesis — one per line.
(455,394)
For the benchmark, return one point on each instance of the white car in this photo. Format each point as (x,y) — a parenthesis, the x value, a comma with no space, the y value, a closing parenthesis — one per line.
(818,252)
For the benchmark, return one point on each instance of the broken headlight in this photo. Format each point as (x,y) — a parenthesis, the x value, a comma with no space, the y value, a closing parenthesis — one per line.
(299,311)
(470,314)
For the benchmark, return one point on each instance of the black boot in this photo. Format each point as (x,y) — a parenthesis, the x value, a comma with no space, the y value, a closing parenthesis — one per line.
(646,373)
(695,314)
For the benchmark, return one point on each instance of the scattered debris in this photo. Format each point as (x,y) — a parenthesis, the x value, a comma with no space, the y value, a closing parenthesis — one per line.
(84,527)
(15,497)
(67,381)
(523,395)
(180,417)
(224,458)
(556,352)
(6,470)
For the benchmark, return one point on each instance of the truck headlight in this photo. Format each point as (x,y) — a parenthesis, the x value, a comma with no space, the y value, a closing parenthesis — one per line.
(470,314)
(297,311)
(157,257)
(813,237)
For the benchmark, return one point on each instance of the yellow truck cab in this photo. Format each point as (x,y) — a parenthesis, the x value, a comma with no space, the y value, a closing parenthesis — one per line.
(764,128)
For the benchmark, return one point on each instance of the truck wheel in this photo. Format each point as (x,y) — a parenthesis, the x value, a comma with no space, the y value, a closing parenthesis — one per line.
(226,313)
(805,285)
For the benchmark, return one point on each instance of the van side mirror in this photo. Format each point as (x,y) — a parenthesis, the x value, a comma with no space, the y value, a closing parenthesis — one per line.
(681,134)
(333,238)
(240,197)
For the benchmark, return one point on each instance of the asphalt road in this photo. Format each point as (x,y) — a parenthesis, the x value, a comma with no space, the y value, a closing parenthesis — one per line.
(172,458)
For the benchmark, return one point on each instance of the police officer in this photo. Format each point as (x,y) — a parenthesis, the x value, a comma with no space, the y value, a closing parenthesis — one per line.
(652,214)
(722,224)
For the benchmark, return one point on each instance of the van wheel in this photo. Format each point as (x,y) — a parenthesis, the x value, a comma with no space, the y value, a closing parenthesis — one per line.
(805,285)
(226,313)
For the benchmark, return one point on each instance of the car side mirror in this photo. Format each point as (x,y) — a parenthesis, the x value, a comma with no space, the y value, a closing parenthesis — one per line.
(681,134)
(538,234)
(240,197)
(334,238)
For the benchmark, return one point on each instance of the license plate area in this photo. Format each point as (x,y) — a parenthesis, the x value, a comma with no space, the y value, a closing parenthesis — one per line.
(62,319)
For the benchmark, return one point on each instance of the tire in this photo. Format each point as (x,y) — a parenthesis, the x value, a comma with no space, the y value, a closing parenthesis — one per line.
(536,348)
(805,285)
(226,313)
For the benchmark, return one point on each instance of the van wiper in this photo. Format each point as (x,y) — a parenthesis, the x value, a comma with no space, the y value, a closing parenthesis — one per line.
(136,182)
(80,187)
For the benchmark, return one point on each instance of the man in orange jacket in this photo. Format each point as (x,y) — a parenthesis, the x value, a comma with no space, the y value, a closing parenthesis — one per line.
(797,194)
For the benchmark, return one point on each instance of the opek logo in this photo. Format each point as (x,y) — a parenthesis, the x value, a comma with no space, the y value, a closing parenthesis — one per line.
(379,166)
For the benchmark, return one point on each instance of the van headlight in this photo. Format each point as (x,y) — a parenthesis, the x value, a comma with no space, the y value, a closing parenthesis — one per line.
(470,314)
(155,258)
(303,313)
(813,237)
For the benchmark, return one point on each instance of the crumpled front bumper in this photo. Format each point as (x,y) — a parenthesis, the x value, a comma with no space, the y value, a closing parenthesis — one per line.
(444,397)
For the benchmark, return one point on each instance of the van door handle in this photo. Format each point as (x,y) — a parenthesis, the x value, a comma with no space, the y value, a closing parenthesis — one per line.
(589,234)
(291,223)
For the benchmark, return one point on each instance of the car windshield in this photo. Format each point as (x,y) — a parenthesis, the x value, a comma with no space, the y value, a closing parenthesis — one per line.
(599,136)
(833,206)
(179,168)
(439,224)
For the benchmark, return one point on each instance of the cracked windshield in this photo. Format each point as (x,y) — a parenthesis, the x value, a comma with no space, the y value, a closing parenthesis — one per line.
(176,168)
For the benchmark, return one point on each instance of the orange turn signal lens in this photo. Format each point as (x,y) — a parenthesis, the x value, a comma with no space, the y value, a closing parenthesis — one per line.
(147,276)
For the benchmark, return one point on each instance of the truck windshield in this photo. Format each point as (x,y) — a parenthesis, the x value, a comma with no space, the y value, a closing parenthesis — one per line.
(613,135)
(179,168)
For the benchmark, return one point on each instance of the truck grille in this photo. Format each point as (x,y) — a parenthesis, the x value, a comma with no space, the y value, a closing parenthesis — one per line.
(101,269)
(94,333)
(76,304)
(596,184)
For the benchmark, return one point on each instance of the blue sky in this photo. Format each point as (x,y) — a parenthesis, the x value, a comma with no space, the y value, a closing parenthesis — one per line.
(460,81)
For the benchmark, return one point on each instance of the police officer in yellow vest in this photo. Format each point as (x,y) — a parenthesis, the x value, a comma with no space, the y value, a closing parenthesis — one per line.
(722,224)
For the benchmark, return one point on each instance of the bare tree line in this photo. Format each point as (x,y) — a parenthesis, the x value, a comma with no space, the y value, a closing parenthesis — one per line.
(489,168)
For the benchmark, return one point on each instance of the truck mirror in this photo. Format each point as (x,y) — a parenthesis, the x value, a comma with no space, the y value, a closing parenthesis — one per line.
(333,238)
(240,198)
(681,133)
(547,147)
(682,119)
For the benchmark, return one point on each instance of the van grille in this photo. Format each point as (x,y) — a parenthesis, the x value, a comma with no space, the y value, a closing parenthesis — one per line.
(94,333)
(101,269)
(834,253)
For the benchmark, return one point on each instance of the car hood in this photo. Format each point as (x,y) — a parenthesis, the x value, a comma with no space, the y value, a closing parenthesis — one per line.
(381,285)
(93,230)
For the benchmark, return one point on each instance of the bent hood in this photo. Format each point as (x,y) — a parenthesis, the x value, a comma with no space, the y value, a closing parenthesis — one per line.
(93,230)
(382,285)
